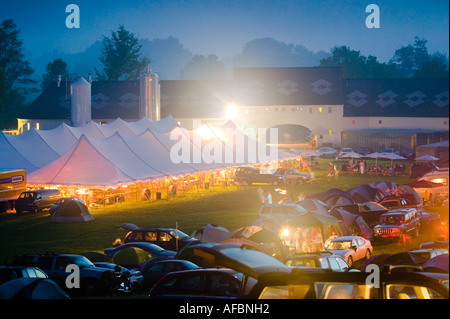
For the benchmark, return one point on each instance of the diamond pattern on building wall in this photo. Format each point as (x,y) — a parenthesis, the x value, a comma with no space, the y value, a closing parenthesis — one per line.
(287,87)
(357,98)
(99,101)
(441,99)
(129,100)
(415,98)
(322,87)
(386,98)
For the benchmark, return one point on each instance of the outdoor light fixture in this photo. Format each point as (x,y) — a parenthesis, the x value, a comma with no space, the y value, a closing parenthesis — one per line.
(231,111)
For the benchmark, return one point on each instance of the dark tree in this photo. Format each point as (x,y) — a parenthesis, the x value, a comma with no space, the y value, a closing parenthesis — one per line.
(14,74)
(53,70)
(203,68)
(121,57)
(355,65)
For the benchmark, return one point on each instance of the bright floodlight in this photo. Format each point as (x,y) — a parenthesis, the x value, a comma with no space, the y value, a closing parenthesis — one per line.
(232,111)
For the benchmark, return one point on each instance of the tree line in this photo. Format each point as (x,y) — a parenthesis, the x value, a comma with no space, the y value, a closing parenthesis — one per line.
(122,58)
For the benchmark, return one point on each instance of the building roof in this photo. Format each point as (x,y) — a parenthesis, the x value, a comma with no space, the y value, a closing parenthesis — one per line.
(257,87)
(288,86)
(396,97)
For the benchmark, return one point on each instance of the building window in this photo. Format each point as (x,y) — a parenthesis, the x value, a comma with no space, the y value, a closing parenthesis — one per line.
(37,126)
(310,110)
(379,122)
(28,126)
(329,109)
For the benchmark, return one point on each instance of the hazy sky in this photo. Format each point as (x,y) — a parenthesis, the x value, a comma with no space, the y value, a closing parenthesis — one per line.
(222,27)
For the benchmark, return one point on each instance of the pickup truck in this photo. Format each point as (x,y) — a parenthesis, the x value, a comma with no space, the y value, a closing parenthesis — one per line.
(93,280)
(251,175)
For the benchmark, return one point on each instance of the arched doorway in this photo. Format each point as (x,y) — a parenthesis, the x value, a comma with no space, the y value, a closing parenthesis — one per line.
(291,134)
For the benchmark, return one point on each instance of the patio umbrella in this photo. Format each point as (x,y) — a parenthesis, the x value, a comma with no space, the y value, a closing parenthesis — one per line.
(426,158)
(375,155)
(309,153)
(392,156)
(352,155)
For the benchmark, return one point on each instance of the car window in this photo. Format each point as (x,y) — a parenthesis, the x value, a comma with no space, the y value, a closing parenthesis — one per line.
(62,263)
(151,236)
(31,273)
(156,267)
(324,263)
(221,285)
(341,262)
(401,291)
(285,292)
(40,273)
(194,283)
(360,241)
(330,290)
(333,263)
(163,236)
(45,262)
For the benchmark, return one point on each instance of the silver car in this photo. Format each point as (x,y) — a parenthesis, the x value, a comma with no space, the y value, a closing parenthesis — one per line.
(351,248)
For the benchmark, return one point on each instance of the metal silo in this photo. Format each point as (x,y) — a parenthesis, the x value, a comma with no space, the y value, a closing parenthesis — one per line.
(149,100)
(81,102)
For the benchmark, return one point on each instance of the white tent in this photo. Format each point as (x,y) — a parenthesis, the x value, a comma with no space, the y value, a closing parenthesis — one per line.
(90,130)
(60,139)
(118,125)
(427,158)
(11,158)
(83,164)
(33,147)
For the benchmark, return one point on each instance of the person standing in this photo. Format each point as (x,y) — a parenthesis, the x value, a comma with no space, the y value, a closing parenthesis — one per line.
(261,194)
(362,167)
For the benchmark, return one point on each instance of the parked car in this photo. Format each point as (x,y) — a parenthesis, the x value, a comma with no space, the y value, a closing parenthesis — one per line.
(93,280)
(418,170)
(155,272)
(365,150)
(345,150)
(250,175)
(292,176)
(12,272)
(136,277)
(153,249)
(327,152)
(429,221)
(390,150)
(53,208)
(397,223)
(166,238)
(325,260)
(413,200)
(275,280)
(351,248)
(428,253)
(208,283)
(37,200)
(407,153)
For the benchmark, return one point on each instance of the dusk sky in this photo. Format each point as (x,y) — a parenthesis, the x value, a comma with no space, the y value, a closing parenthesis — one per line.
(223,27)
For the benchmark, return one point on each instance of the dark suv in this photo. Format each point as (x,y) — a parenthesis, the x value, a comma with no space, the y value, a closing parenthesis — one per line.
(36,200)
(250,175)
(167,238)
(396,223)
(93,279)
(419,169)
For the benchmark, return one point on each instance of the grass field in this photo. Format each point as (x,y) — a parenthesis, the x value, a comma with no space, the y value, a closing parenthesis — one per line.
(231,207)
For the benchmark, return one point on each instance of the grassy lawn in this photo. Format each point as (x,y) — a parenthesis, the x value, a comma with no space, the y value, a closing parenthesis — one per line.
(231,207)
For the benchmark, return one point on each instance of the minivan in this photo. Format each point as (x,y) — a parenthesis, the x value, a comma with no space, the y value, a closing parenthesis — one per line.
(36,200)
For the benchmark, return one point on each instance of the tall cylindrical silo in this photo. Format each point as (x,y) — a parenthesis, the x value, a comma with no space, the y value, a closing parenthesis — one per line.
(146,94)
(81,102)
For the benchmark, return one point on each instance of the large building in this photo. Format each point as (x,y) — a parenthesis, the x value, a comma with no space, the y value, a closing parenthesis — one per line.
(297,101)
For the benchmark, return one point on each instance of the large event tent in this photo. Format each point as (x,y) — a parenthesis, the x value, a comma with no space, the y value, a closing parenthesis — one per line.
(123,152)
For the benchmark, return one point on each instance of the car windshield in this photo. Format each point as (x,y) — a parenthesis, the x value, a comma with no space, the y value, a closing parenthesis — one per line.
(178,234)
(392,220)
(340,245)
(82,262)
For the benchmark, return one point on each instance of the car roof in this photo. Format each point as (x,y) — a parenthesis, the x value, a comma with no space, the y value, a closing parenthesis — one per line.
(345,238)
